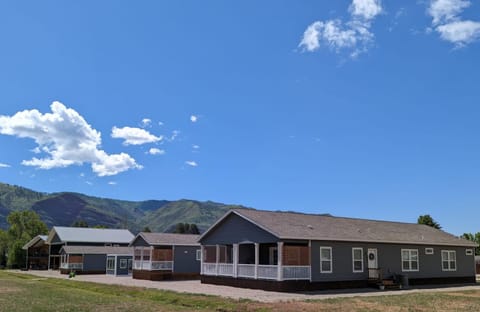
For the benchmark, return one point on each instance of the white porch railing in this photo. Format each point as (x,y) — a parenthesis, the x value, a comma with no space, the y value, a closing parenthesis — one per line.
(293,272)
(225,269)
(246,270)
(72,266)
(152,265)
(267,272)
(162,265)
(209,269)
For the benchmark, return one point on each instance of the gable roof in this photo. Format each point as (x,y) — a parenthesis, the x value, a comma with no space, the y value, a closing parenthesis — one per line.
(169,239)
(35,240)
(98,250)
(90,235)
(293,225)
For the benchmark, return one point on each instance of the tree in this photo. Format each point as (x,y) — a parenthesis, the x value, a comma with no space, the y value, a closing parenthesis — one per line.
(186,228)
(180,228)
(100,226)
(474,238)
(80,223)
(24,225)
(146,229)
(194,229)
(3,248)
(428,220)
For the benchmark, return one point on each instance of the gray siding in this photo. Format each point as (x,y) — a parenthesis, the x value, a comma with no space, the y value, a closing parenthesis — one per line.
(235,229)
(94,262)
(185,259)
(389,260)
(139,241)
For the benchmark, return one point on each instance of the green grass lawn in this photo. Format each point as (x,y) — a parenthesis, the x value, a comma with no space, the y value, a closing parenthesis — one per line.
(19,292)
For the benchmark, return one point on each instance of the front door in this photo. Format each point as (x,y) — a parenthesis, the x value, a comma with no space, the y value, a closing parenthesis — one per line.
(373,271)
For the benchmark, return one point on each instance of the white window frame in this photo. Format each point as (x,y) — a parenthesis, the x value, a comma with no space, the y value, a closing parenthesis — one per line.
(123,263)
(198,255)
(429,251)
(356,260)
(468,252)
(329,260)
(111,261)
(449,259)
(410,261)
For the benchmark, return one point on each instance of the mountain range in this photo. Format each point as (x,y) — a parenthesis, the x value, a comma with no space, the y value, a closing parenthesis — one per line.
(64,208)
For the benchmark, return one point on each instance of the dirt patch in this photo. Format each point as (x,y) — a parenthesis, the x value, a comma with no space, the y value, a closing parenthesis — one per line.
(4,289)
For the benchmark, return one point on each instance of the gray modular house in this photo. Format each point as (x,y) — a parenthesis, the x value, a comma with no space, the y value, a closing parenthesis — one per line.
(288,251)
(60,236)
(37,253)
(160,256)
(112,260)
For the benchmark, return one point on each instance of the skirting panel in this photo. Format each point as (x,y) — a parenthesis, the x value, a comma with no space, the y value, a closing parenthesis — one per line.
(293,286)
(283,286)
(163,275)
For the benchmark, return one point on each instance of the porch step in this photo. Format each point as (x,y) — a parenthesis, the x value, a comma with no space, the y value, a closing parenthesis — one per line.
(389,284)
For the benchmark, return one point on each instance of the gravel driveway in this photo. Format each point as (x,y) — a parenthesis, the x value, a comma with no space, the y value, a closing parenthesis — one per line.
(196,287)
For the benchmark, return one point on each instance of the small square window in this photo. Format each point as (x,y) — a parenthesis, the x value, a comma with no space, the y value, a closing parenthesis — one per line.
(429,251)
(469,252)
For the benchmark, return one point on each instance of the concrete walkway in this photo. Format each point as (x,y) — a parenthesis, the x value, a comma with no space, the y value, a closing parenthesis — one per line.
(195,287)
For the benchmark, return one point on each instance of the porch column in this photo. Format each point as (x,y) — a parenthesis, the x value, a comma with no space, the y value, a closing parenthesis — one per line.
(141,257)
(217,254)
(310,259)
(202,250)
(279,261)
(173,257)
(49,255)
(235,260)
(151,254)
(257,254)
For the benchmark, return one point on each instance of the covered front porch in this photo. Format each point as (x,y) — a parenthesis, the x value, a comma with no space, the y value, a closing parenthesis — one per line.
(264,261)
(153,258)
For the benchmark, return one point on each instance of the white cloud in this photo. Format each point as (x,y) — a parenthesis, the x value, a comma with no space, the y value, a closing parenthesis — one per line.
(193,118)
(146,122)
(195,146)
(191,163)
(460,33)
(2,165)
(112,183)
(444,11)
(366,9)
(156,151)
(66,138)
(174,135)
(353,36)
(160,123)
(446,21)
(134,136)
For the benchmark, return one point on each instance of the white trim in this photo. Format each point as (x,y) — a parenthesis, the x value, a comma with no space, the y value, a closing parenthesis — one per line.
(429,250)
(353,259)
(410,261)
(198,254)
(469,252)
(330,260)
(448,260)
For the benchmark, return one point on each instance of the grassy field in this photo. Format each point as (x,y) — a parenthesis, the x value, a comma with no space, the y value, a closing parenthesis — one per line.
(19,292)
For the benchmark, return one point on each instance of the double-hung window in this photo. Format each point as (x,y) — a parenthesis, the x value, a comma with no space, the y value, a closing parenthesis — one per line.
(449,260)
(326,260)
(357,259)
(409,260)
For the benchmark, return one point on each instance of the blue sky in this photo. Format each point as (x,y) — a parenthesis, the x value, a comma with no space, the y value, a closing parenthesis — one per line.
(356,108)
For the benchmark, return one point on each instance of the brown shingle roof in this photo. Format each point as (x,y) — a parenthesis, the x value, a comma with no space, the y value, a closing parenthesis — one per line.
(99,250)
(291,225)
(170,238)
